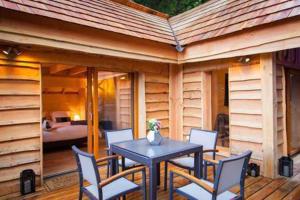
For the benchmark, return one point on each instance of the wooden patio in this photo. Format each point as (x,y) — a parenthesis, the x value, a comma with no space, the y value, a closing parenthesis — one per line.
(259,188)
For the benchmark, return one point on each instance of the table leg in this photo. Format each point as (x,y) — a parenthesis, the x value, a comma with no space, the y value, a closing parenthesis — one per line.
(114,166)
(158,173)
(197,164)
(153,182)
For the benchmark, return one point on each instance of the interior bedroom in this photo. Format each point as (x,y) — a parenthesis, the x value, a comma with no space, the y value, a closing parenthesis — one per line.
(64,112)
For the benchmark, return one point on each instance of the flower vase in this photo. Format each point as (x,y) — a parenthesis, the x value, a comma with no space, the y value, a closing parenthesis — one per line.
(154,137)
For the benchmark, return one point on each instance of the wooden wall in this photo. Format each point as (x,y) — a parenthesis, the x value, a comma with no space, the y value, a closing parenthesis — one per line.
(19,123)
(64,94)
(192,99)
(123,103)
(245,108)
(157,98)
(281,111)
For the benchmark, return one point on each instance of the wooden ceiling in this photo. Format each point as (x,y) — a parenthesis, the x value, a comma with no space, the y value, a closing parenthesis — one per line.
(63,70)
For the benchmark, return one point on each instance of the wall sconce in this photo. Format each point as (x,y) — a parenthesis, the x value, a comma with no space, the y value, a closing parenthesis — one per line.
(245,60)
(11,51)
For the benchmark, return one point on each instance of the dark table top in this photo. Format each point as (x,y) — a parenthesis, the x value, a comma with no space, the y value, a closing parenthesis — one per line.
(167,147)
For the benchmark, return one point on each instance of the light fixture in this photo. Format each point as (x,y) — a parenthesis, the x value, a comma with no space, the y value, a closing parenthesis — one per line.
(123,78)
(76,117)
(245,60)
(11,51)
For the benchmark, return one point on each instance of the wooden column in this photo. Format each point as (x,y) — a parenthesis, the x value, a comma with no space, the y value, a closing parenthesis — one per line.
(206,100)
(140,107)
(176,102)
(90,109)
(269,104)
(95,114)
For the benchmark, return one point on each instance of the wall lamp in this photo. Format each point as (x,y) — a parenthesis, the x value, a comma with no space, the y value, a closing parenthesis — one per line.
(245,60)
(11,51)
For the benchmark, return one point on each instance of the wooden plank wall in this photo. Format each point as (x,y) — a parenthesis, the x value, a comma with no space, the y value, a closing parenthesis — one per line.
(192,99)
(281,110)
(19,123)
(123,102)
(157,98)
(245,108)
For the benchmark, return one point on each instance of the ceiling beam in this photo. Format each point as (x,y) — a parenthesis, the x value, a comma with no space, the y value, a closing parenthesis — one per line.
(77,70)
(59,68)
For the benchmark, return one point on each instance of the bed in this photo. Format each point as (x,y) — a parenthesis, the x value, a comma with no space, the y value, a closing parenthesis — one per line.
(61,132)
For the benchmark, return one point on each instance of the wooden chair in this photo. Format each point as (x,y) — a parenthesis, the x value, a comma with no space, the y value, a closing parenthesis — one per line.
(111,188)
(197,136)
(120,136)
(222,126)
(231,172)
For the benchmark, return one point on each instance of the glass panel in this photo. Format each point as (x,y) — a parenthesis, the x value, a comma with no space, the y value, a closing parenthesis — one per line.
(115,100)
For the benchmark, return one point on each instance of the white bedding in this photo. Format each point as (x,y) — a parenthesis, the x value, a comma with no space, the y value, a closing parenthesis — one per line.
(64,132)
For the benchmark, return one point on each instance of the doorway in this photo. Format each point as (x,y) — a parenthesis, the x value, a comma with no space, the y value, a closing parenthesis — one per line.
(220,105)
(293,110)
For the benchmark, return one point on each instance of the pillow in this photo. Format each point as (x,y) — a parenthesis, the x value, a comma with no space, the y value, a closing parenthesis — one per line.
(62,119)
(59,114)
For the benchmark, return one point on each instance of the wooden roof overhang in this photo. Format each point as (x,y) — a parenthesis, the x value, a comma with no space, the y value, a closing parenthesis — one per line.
(27,29)
(215,30)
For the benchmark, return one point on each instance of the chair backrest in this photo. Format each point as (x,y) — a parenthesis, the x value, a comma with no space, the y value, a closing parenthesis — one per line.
(208,139)
(232,172)
(87,167)
(118,136)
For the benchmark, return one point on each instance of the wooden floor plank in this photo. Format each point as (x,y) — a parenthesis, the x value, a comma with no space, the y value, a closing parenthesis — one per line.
(294,195)
(268,189)
(259,188)
(283,191)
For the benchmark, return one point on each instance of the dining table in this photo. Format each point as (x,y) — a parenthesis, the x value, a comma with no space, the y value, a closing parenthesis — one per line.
(141,151)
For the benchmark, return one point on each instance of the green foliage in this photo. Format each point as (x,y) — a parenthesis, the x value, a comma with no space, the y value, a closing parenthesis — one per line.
(171,7)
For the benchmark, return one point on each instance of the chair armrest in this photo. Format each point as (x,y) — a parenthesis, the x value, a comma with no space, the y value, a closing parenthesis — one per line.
(210,150)
(211,160)
(120,175)
(106,158)
(194,180)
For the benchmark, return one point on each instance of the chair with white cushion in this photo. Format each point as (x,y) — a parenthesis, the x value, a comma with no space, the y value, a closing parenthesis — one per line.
(111,188)
(231,172)
(121,136)
(208,139)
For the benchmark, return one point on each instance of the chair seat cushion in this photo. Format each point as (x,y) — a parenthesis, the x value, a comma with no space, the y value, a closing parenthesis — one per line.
(128,162)
(197,192)
(117,187)
(184,161)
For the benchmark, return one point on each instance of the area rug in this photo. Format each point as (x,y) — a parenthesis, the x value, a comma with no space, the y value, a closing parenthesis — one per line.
(61,181)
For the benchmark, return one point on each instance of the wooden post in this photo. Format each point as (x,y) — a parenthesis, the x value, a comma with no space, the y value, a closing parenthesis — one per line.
(90,109)
(140,111)
(206,101)
(176,102)
(95,113)
(269,103)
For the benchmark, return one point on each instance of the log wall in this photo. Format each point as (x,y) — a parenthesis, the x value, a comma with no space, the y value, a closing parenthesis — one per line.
(19,123)
(157,99)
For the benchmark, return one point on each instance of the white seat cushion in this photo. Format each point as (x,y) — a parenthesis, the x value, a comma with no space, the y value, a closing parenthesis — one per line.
(199,193)
(116,187)
(184,161)
(128,162)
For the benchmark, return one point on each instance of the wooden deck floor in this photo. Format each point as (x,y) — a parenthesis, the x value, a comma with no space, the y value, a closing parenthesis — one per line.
(256,189)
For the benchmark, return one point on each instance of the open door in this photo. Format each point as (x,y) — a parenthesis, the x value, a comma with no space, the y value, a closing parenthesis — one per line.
(293,110)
